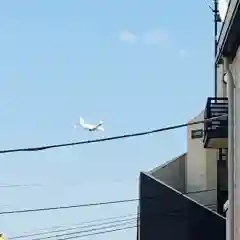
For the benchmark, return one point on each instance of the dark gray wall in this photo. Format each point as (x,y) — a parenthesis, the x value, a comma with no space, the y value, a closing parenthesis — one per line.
(166,214)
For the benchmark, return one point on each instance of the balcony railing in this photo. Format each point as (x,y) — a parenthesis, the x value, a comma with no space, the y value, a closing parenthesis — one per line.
(216,131)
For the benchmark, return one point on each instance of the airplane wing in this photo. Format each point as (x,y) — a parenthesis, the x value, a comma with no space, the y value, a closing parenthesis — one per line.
(98,127)
(89,126)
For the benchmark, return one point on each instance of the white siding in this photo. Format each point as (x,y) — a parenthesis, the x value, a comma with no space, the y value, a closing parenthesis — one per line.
(201,167)
(236,76)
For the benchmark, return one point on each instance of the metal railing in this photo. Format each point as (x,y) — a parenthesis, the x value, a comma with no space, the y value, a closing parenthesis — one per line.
(217,128)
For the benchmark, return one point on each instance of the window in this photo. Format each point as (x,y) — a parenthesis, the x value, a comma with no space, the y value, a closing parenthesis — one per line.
(198,133)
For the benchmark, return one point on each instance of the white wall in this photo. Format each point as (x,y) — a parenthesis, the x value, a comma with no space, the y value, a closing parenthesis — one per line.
(201,167)
(236,76)
(196,159)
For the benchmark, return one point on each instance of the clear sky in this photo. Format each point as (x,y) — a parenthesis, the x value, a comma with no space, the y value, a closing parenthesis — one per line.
(136,65)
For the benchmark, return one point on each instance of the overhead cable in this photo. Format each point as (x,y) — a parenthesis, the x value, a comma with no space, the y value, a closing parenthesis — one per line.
(75,206)
(153,217)
(209,5)
(60,183)
(41,148)
(97,233)
(87,230)
(86,224)
(62,227)
(68,207)
(82,226)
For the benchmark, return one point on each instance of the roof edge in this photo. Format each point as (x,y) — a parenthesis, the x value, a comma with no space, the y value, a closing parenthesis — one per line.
(184,195)
(166,163)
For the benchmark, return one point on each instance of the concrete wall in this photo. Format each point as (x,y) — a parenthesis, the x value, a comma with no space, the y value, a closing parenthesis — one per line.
(201,167)
(172,173)
(236,76)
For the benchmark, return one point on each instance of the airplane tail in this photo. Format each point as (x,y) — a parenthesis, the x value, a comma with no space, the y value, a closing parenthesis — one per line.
(81,121)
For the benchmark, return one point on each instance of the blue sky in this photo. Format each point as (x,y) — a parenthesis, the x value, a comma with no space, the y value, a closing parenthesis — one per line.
(136,65)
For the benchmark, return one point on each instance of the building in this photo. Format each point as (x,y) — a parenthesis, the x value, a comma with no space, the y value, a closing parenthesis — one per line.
(179,199)
(225,133)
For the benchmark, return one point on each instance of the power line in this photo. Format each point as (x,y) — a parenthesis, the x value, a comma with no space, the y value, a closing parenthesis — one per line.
(84,231)
(55,229)
(68,207)
(61,183)
(76,206)
(41,148)
(173,213)
(80,226)
(69,183)
(209,5)
(97,233)
(20,185)
(68,235)
(61,227)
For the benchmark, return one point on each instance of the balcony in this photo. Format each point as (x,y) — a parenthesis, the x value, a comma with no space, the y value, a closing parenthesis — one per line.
(216,131)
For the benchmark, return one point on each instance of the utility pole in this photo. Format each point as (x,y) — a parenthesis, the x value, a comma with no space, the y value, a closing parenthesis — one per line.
(216,20)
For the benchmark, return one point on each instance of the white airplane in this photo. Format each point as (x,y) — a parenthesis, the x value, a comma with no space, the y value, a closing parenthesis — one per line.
(90,127)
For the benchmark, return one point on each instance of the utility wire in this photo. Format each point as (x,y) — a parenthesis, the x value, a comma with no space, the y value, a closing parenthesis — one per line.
(41,148)
(169,213)
(69,235)
(97,233)
(74,206)
(74,228)
(33,185)
(209,5)
(62,227)
(85,231)
(68,207)
(173,213)
(19,185)
(62,183)
(98,222)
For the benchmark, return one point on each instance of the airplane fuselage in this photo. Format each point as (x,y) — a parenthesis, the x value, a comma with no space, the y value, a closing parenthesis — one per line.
(91,127)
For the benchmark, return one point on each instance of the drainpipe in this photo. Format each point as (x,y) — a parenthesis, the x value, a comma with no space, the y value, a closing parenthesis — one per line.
(230,90)
(216,18)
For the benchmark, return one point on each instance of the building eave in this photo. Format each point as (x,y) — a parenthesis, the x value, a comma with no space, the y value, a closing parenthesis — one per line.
(182,194)
(225,206)
(229,38)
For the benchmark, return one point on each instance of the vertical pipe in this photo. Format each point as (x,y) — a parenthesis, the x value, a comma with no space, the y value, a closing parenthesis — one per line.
(230,89)
(138,221)
(215,44)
